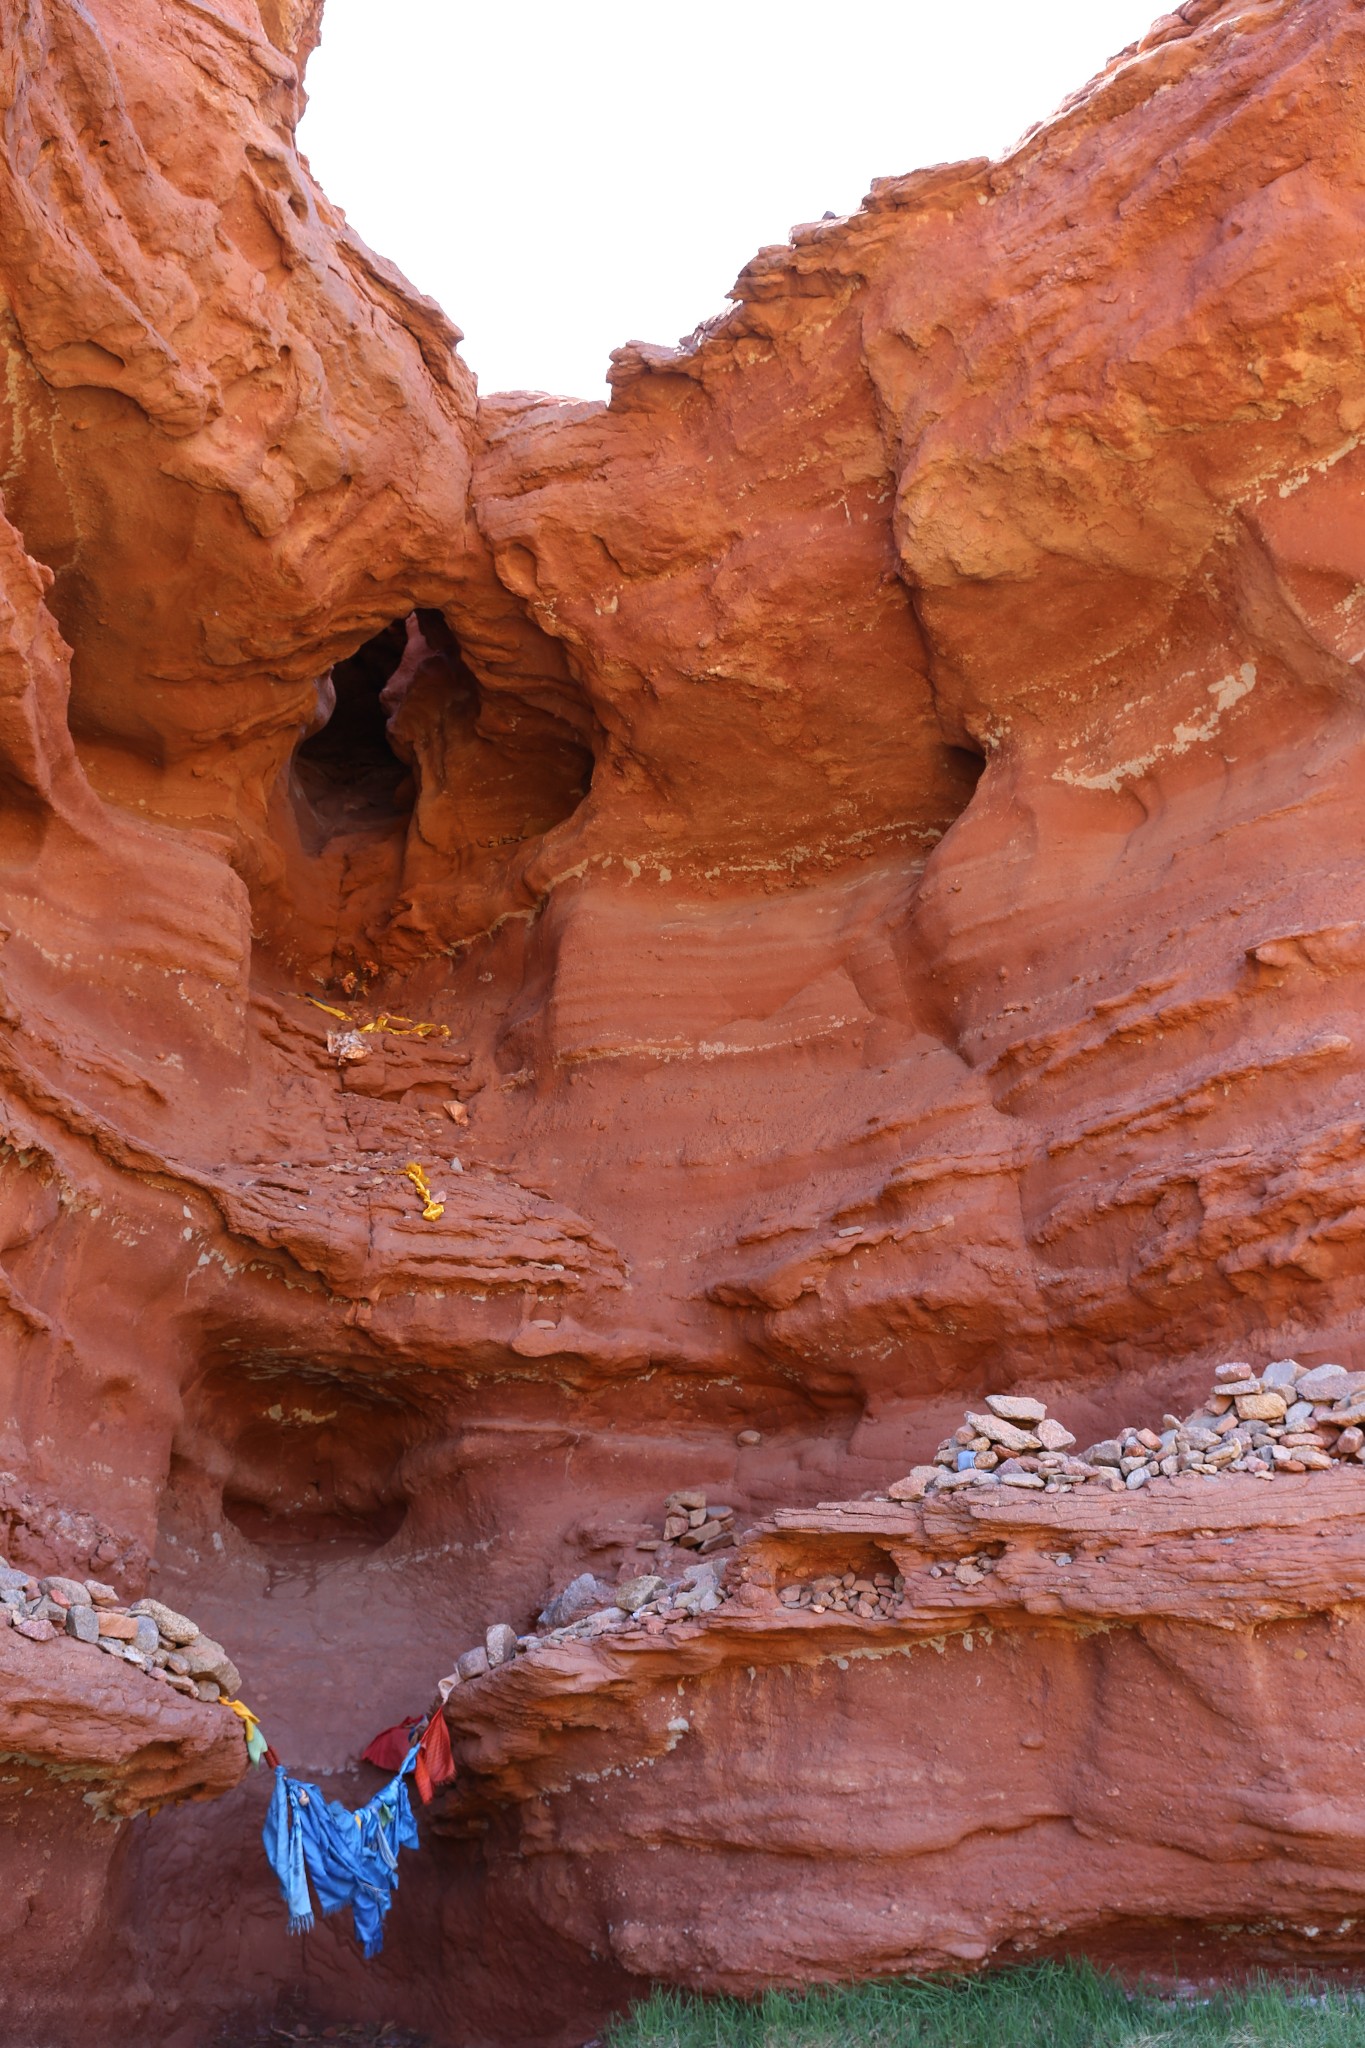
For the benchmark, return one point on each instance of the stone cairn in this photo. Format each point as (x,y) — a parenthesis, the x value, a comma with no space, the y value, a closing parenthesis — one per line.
(870,1598)
(1285,1418)
(684,1584)
(168,1646)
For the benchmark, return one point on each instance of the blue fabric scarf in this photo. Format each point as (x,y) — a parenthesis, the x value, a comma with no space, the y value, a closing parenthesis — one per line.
(351,1858)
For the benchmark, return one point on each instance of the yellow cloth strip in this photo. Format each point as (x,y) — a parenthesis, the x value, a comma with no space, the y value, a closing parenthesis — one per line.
(431,1208)
(397,1027)
(243,1713)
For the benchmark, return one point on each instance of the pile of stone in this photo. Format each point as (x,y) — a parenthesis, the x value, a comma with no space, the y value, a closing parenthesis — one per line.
(871,1597)
(1012,1442)
(690,1523)
(1283,1418)
(153,1638)
(587,1608)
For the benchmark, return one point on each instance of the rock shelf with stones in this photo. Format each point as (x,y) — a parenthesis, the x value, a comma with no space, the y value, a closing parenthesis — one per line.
(167,1646)
(1284,1417)
(1012,1620)
(685,1584)
(92,1732)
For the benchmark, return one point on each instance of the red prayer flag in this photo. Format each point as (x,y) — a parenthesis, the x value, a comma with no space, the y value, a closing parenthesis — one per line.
(435,1764)
(391,1745)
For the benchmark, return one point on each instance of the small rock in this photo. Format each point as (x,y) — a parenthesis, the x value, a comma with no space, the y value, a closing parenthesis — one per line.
(605,1623)
(749,1437)
(700,1591)
(148,1637)
(1053,1435)
(967,1574)
(637,1592)
(1298,1414)
(83,1624)
(1323,1383)
(690,1498)
(1110,1452)
(472,1664)
(203,1658)
(68,1592)
(913,1487)
(1282,1374)
(11,1579)
(1021,1479)
(177,1628)
(115,1627)
(500,1643)
(1261,1407)
(1000,1432)
(36,1629)
(1138,1477)
(581,1596)
(206,1689)
(1016,1407)
(100,1594)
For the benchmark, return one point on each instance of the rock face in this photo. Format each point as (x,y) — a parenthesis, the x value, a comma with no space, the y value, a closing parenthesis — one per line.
(553,955)
(1062,1713)
(87,1741)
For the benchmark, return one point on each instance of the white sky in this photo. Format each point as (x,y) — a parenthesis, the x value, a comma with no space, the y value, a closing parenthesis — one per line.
(565,175)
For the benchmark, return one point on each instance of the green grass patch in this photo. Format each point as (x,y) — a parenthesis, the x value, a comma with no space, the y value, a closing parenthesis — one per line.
(1050,2005)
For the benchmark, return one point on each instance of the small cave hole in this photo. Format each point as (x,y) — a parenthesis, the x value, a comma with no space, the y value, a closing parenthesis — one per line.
(963,769)
(347,770)
(300,1459)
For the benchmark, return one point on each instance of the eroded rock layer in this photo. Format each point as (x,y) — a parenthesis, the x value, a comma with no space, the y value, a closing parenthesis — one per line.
(554,952)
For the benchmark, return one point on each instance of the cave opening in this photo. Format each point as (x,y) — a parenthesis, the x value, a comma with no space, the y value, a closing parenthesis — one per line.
(303,1459)
(963,768)
(347,770)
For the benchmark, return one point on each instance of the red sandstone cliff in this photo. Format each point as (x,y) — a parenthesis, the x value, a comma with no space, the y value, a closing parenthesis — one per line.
(872,810)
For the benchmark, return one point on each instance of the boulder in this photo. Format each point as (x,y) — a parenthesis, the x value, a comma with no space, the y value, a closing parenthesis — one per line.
(583,1595)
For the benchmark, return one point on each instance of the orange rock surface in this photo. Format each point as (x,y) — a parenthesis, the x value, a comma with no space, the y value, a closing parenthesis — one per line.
(841,869)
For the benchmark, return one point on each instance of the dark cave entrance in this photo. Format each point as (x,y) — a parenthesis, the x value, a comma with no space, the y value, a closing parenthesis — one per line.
(304,1460)
(963,768)
(347,771)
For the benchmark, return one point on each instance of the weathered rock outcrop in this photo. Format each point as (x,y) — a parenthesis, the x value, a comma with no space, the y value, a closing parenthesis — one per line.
(1108,1722)
(840,868)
